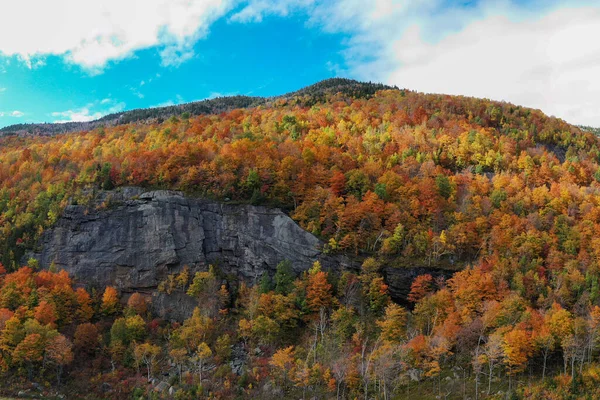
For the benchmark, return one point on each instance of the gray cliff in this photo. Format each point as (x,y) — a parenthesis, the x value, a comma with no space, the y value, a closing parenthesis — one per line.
(141,237)
(138,238)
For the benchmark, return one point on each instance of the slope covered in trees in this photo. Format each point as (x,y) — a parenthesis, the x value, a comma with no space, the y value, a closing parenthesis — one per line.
(313,93)
(595,131)
(505,194)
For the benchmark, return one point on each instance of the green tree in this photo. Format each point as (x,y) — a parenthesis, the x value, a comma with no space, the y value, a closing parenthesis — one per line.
(266,284)
(284,278)
(105,178)
(443,185)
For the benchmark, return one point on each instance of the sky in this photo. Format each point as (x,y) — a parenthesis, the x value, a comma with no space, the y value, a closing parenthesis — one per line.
(77,60)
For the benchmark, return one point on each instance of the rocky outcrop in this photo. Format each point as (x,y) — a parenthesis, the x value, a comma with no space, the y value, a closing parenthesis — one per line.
(133,239)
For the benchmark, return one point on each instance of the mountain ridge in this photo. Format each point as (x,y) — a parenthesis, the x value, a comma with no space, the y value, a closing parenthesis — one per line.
(317,93)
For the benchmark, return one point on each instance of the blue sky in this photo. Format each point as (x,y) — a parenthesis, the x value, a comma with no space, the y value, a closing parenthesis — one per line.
(79,60)
(228,62)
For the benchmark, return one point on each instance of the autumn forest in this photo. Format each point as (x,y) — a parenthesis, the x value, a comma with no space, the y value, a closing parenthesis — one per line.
(504,199)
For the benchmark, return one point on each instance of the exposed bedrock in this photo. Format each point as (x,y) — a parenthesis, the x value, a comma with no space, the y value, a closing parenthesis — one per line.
(141,237)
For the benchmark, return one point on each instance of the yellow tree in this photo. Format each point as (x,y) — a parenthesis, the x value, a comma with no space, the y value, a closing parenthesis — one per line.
(179,357)
(110,301)
(195,330)
(393,324)
(283,364)
(147,353)
(203,353)
(517,347)
(560,324)
(206,288)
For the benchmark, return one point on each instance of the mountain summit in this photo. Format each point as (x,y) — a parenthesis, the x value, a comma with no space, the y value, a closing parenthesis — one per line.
(316,92)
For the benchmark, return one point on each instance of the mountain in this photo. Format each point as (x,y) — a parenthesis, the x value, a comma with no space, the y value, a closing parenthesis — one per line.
(347,240)
(595,131)
(316,92)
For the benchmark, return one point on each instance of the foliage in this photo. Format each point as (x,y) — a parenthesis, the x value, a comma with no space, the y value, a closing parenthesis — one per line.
(504,195)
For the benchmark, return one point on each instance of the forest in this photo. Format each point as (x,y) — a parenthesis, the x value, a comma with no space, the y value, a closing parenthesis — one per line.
(314,93)
(504,196)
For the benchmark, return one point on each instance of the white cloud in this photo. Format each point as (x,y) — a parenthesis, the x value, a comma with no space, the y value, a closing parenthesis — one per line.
(164,104)
(542,54)
(136,92)
(255,10)
(542,58)
(14,114)
(86,113)
(80,115)
(91,33)
(176,54)
(551,63)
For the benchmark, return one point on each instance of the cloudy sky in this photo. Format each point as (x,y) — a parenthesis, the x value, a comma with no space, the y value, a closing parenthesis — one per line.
(64,60)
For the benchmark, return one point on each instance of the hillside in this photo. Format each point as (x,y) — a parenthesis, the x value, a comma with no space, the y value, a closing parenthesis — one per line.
(316,92)
(502,197)
(595,131)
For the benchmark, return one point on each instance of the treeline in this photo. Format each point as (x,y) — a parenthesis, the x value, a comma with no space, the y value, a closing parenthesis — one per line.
(310,95)
(155,115)
(595,131)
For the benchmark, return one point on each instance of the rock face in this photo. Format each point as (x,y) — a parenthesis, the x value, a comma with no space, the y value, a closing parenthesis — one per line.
(137,238)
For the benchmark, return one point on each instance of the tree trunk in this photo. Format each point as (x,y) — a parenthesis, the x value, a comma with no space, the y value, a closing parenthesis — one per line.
(464,383)
(544,368)
(490,379)
(384,390)
(315,343)
(59,370)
